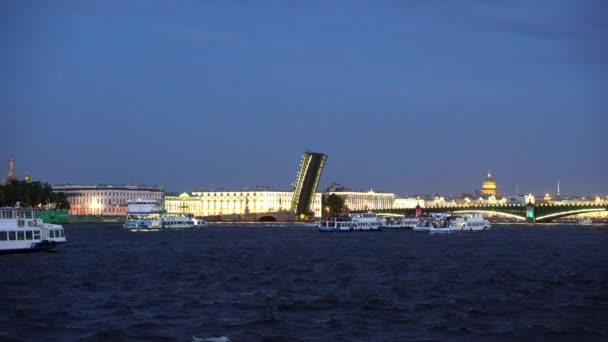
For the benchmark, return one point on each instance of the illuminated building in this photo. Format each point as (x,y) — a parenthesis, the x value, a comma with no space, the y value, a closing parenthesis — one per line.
(212,203)
(370,200)
(105,200)
(407,203)
(529,199)
(489,186)
(302,201)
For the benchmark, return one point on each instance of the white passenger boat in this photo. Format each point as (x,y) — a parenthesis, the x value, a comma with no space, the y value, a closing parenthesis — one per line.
(352,222)
(425,223)
(586,221)
(396,221)
(423,226)
(147,215)
(469,224)
(440,230)
(21,229)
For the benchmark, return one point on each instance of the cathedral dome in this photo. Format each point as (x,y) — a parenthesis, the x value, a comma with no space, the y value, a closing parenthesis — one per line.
(489,186)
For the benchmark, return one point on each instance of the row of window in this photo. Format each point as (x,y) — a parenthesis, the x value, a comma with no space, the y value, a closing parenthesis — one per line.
(7,214)
(13,235)
(212,194)
(20,235)
(130,193)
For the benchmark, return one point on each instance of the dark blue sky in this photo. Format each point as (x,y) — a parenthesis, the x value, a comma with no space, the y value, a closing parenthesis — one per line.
(404,96)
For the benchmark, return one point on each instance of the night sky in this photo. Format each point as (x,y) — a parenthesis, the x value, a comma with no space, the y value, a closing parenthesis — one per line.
(404,96)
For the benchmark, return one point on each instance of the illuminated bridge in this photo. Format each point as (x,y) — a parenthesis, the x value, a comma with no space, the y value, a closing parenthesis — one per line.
(307,181)
(535,213)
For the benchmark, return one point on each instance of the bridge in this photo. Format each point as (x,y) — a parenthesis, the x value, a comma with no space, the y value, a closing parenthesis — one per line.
(533,213)
(307,181)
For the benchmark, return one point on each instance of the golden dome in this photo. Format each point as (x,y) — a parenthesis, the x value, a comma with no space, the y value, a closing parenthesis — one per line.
(489,186)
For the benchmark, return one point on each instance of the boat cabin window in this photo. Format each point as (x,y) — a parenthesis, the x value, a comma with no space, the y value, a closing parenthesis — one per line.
(21,235)
(52,234)
(20,213)
(7,214)
(20,223)
(3,236)
(12,235)
(36,235)
(28,235)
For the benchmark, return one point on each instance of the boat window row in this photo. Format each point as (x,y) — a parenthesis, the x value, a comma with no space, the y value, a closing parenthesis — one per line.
(28,213)
(56,233)
(170,223)
(13,235)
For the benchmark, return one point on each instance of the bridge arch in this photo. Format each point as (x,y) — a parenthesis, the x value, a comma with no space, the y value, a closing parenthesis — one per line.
(490,212)
(267,218)
(568,213)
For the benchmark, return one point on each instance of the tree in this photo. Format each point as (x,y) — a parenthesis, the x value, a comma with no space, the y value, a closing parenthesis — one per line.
(31,194)
(61,201)
(334,204)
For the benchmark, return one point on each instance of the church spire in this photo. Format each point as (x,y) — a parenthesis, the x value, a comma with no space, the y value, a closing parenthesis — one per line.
(11,170)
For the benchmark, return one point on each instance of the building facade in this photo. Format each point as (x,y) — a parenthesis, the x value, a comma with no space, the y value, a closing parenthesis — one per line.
(213,203)
(370,200)
(105,200)
(408,203)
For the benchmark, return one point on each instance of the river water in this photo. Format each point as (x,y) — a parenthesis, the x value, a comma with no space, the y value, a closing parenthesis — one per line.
(292,283)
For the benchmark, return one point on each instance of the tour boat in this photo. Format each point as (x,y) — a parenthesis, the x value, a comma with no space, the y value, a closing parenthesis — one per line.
(425,223)
(147,215)
(423,226)
(395,221)
(440,230)
(585,221)
(469,224)
(22,229)
(359,221)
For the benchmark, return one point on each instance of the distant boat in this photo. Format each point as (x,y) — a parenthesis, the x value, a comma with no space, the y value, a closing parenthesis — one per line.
(425,223)
(352,222)
(396,221)
(586,221)
(147,215)
(469,224)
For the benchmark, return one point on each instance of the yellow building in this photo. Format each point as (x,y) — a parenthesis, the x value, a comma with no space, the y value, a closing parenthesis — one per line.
(212,203)
(489,186)
(370,200)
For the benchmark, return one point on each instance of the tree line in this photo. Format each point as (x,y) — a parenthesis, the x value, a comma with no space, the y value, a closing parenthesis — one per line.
(31,194)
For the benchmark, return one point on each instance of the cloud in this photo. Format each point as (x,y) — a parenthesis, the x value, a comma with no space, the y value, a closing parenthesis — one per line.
(580,28)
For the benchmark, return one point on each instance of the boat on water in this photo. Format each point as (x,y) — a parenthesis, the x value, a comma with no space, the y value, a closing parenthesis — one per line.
(425,223)
(396,221)
(352,222)
(147,215)
(446,223)
(468,224)
(440,229)
(585,221)
(22,229)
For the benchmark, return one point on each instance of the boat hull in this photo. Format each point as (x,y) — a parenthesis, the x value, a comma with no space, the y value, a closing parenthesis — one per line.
(29,246)
(440,230)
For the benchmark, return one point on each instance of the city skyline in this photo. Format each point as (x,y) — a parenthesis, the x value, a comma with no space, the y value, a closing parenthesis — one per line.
(11,174)
(406,97)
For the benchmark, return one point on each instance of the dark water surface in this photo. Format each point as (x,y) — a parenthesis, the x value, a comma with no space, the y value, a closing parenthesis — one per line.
(250,283)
